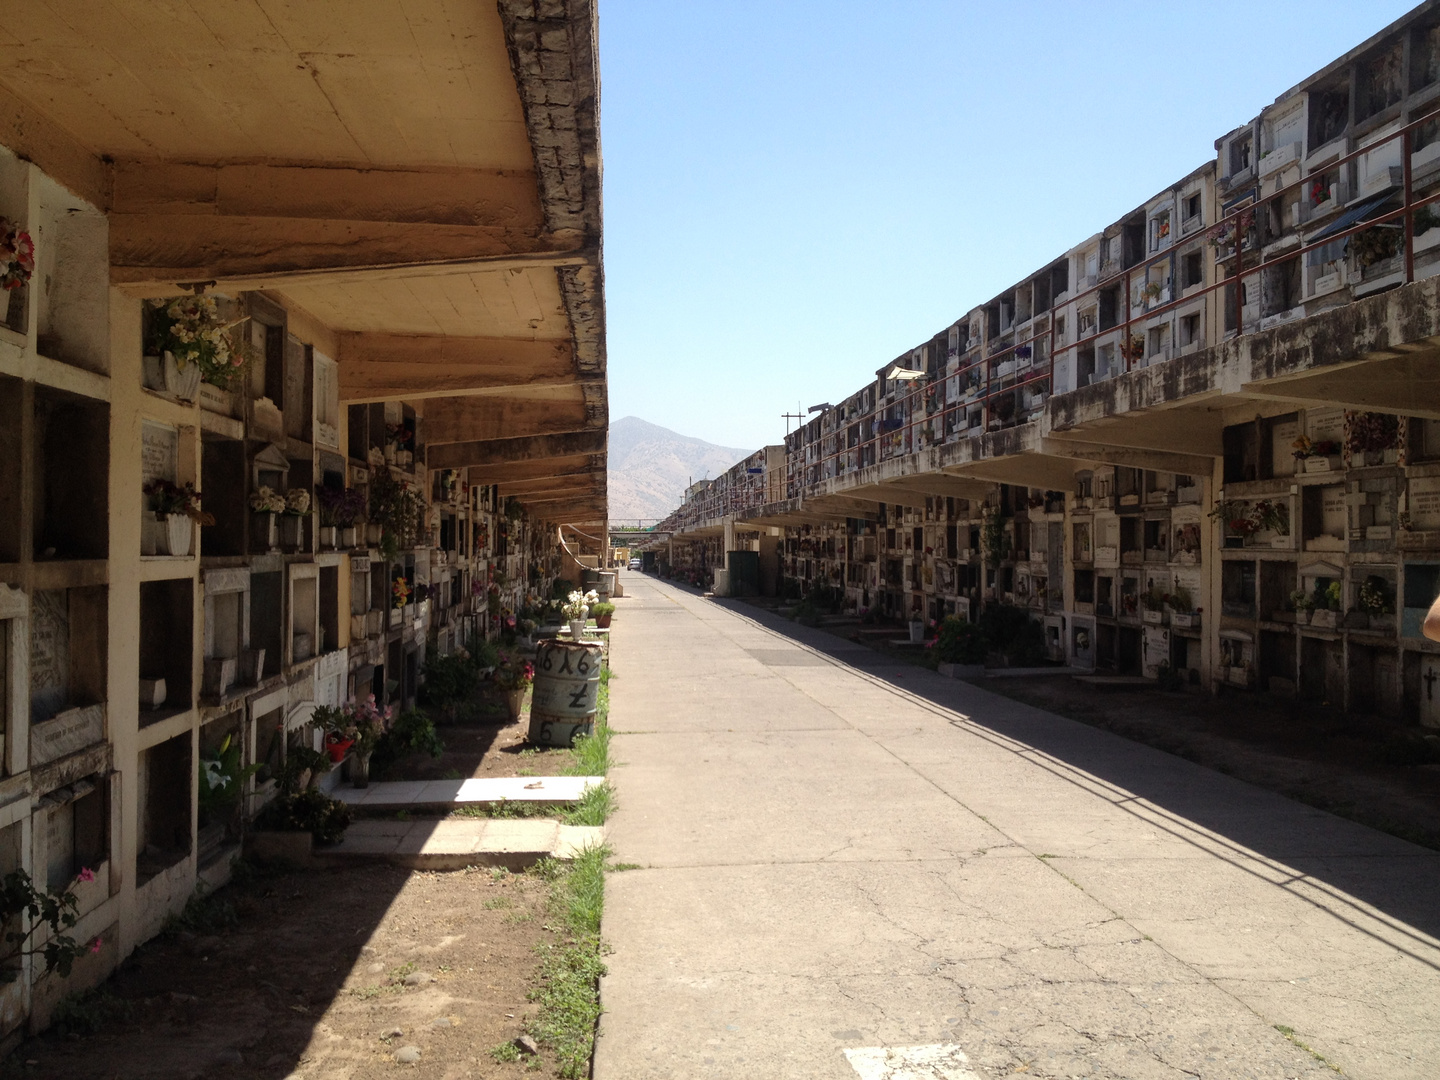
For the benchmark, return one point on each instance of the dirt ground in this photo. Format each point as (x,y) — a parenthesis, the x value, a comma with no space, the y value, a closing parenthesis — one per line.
(1362,768)
(483,743)
(323,974)
(328,974)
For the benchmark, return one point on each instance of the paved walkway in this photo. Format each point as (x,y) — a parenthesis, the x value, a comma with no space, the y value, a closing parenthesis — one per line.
(855,868)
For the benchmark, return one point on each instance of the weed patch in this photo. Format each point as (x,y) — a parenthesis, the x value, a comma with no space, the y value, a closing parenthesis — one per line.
(570,970)
(594,807)
(85,1014)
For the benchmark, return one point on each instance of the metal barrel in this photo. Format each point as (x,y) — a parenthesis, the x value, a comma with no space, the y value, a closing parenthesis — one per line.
(567,691)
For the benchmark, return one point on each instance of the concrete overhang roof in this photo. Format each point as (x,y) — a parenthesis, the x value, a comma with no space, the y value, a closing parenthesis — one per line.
(419,177)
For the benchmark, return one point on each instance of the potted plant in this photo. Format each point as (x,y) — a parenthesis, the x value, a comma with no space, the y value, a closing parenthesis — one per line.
(292,519)
(222,782)
(331,503)
(1304,604)
(1321,456)
(169,527)
(265,505)
(1182,608)
(354,729)
(1374,599)
(17,263)
(603,612)
(525,630)
(188,340)
(1374,438)
(1153,600)
(399,592)
(513,676)
(576,610)
(1327,607)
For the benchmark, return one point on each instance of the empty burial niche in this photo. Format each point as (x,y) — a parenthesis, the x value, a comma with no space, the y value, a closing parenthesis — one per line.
(166,640)
(266,613)
(71,476)
(329,609)
(68,640)
(12,404)
(165,787)
(218,793)
(304,617)
(222,479)
(72,272)
(77,830)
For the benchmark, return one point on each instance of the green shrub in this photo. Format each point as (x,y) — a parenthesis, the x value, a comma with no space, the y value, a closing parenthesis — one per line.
(960,642)
(603,608)
(1027,647)
(483,652)
(410,731)
(1011,630)
(448,680)
(310,811)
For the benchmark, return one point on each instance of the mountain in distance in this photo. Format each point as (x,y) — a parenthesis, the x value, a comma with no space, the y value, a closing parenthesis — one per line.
(650,467)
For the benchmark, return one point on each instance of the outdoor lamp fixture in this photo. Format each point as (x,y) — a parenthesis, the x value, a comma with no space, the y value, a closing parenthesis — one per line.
(821,407)
(901,374)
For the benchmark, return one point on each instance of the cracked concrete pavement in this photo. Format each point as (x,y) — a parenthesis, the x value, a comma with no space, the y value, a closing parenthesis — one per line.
(840,852)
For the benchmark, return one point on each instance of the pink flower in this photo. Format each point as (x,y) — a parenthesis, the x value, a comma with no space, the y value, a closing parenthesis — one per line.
(86,874)
(95,945)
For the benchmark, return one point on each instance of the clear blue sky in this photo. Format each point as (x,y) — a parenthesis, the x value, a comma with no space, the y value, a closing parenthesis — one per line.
(796,193)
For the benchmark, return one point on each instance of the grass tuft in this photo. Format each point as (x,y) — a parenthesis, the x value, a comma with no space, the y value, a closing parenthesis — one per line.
(594,807)
(506,1051)
(592,752)
(569,992)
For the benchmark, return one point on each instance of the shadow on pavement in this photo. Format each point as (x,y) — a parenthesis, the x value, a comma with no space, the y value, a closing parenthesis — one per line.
(1335,855)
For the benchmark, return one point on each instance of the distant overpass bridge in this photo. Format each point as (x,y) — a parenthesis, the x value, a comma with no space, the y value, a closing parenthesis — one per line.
(631,532)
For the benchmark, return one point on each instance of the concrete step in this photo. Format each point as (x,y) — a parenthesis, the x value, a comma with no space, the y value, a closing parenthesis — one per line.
(449,844)
(448,794)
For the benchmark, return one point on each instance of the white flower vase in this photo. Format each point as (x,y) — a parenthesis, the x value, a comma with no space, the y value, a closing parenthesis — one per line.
(178,535)
(577,626)
(348,538)
(327,536)
(183,382)
(374,534)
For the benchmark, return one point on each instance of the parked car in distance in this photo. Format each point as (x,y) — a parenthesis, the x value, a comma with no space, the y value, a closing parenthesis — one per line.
(634,564)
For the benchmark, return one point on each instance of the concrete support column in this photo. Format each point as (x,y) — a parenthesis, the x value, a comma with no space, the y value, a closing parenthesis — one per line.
(769,548)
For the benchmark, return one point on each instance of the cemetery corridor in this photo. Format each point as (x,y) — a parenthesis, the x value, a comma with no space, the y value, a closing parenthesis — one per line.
(847,866)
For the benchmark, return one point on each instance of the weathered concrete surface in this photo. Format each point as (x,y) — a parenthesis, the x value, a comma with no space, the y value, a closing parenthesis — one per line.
(455,844)
(840,853)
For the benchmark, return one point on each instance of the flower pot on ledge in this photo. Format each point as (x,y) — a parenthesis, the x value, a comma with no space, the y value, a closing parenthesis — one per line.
(292,531)
(179,533)
(337,746)
(264,531)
